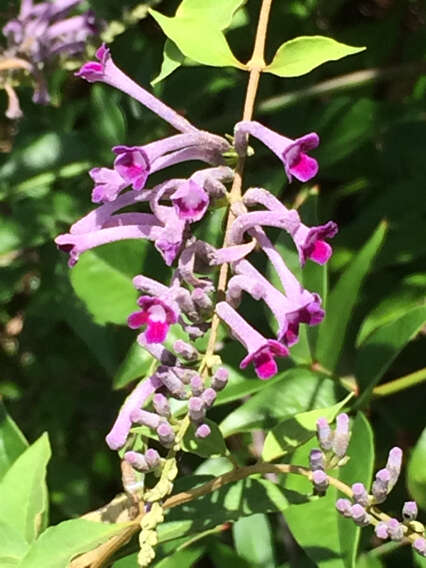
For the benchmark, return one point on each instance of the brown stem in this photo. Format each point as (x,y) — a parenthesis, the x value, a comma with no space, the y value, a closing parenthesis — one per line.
(256,64)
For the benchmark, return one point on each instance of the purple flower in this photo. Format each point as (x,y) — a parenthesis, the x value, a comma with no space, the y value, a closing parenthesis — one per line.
(292,153)
(344,506)
(108,184)
(157,314)
(261,351)
(325,434)
(341,435)
(190,201)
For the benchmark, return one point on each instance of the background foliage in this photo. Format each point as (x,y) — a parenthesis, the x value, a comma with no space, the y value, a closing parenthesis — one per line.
(65,351)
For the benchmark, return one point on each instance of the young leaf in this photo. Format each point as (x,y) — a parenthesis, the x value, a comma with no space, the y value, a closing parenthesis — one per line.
(198,39)
(213,445)
(330,540)
(294,432)
(172,59)
(58,545)
(302,54)
(12,441)
(382,346)
(23,496)
(342,299)
(253,540)
(298,390)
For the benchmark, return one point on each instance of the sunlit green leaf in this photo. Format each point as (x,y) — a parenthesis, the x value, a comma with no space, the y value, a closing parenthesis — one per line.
(12,441)
(213,445)
(253,540)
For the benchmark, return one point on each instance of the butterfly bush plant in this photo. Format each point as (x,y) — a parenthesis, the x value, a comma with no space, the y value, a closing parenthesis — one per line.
(186,323)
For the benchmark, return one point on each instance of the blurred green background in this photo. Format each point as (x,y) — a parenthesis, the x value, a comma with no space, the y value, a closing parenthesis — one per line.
(61,353)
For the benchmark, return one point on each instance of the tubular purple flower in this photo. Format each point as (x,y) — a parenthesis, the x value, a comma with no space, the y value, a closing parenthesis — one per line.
(220,379)
(320,481)
(247,221)
(165,434)
(232,253)
(161,405)
(171,381)
(261,352)
(158,351)
(325,434)
(395,529)
(316,459)
(203,431)
(393,465)
(190,201)
(344,506)
(108,184)
(409,511)
(341,435)
(119,432)
(360,515)
(137,460)
(196,409)
(380,487)
(381,531)
(209,396)
(292,153)
(360,494)
(106,71)
(419,546)
(145,418)
(202,302)
(157,314)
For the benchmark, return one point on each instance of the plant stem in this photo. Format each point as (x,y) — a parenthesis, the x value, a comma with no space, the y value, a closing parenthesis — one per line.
(14,63)
(256,64)
(400,384)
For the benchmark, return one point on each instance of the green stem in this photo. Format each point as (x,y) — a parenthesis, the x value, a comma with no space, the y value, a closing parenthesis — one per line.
(400,384)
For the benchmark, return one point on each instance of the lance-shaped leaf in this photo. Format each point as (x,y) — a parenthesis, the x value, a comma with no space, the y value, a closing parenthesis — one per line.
(12,441)
(302,54)
(342,299)
(198,39)
(218,13)
(382,346)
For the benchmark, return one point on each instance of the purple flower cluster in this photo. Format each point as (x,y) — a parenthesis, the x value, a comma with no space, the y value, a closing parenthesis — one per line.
(39,33)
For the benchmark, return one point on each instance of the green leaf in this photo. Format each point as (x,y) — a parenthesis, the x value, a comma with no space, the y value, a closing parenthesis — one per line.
(297,390)
(58,545)
(302,54)
(12,546)
(185,558)
(111,125)
(136,364)
(23,496)
(416,471)
(12,441)
(329,539)
(342,300)
(218,13)
(382,346)
(295,431)
(223,556)
(253,540)
(198,39)
(213,445)
(102,278)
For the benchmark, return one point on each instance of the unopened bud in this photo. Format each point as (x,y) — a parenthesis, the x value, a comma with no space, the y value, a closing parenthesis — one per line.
(196,409)
(360,494)
(145,418)
(320,481)
(185,350)
(220,379)
(166,434)
(360,515)
(202,431)
(137,460)
(152,458)
(395,529)
(324,434)
(172,383)
(381,485)
(197,385)
(344,506)
(209,396)
(161,405)
(409,511)
(316,459)
(394,465)
(381,531)
(202,301)
(419,546)
(341,435)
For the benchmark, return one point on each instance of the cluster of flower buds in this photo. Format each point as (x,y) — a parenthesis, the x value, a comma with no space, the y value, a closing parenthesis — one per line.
(332,450)
(363,512)
(171,380)
(40,33)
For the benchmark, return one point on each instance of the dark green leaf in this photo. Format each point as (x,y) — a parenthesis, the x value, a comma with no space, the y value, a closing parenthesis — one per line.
(12,441)
(213,445)
(253,540)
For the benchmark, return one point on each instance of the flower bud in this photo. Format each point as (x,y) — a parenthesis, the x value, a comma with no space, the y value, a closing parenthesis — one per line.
(394,465)
(137,460)
(172,383)
(381,485)
(360,515)
(185,350)
(166,434)
(202,431)
(360,494)
(381,531)
(341,435)
(209,396)
(196,409)
(324,434)
(152,458)
(197,385)
(344,506)
(320,481)
(161,405)
(395,529)
(419,546)
(316,459)
(220,379)
(145,418)
(409,511)
(202,301)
